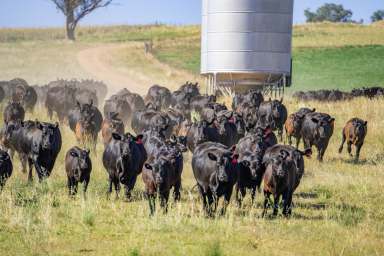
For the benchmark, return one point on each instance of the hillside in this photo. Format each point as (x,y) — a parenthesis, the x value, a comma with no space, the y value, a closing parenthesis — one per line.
(324,55)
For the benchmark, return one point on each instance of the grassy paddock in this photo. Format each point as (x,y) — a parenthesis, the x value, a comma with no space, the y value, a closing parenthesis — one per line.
(338,209)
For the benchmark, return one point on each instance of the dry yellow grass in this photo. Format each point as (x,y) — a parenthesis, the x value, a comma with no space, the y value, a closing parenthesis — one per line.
(338,209)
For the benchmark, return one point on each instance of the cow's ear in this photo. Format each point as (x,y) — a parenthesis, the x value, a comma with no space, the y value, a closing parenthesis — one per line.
(56,125)
(173,139)
(284,154)
(316,121)
(74,154)
(313,110)
(148,166)
(116,136)
(246,163)
(87,151)
(212,156)
(39,125)
(282,99)
(365,123)
(332,120)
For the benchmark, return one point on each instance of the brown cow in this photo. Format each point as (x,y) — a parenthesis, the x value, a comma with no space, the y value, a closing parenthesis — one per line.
(354,133)
(293,125)
(111,124)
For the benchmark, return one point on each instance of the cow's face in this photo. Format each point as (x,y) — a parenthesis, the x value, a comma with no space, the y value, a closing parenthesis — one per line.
(47,136)
(279,165)
(224,164)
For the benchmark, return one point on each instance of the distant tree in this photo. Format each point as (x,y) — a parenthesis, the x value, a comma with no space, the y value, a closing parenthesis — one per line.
(377,15)
(329,12)
(75,10)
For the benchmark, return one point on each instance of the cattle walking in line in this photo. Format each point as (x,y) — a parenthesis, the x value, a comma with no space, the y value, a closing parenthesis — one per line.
(78,167)
(354,133)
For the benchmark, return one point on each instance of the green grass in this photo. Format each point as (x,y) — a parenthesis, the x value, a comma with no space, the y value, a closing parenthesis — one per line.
(343,68)
(313,68)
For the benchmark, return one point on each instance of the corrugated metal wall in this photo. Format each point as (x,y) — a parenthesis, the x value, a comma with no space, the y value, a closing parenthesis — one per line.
(246,36)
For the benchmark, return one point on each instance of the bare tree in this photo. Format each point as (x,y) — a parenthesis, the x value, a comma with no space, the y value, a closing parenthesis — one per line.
(75,10)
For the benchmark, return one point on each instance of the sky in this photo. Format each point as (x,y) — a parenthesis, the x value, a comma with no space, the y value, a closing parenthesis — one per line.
(42,13)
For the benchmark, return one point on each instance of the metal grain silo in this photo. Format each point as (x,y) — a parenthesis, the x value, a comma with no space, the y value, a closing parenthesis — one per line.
(246,43)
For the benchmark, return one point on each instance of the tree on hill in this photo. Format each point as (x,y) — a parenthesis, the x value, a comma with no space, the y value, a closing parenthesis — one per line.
(329,12)
(377,15)
(75,10)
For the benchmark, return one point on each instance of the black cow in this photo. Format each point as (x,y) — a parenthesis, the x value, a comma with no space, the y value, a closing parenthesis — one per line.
(215,169)
(6,168)
(120,106)
(37,143)
(201,132)
(149,119)
(78,167)
(161,173)
(85,120)
(317,129)
(160,96)
(274,114)
(253,98)
(60,99)
(123,159)
(14,111)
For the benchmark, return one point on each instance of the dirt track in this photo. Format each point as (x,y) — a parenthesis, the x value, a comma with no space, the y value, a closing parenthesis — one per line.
(95,62)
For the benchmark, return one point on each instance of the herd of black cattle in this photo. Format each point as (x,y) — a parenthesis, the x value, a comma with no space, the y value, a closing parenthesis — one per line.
(231,148)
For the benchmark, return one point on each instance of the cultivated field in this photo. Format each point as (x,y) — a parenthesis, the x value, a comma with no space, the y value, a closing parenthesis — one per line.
(339,206)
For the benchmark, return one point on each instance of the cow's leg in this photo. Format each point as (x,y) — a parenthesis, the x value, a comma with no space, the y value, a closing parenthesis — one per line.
(176,191)
(110,186)
(342,143)
(23,159)
(349,148)
(227,198)
(129,188)
(358,148)
(30,165)
(276,199)
(164,201)
(289,138)
(69,185)
(266,202)
(211,202)
(298,139)
(203,198)
(75,185)
(116,183)
(152,203)
(85,186)
(287,203)
(253,195)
